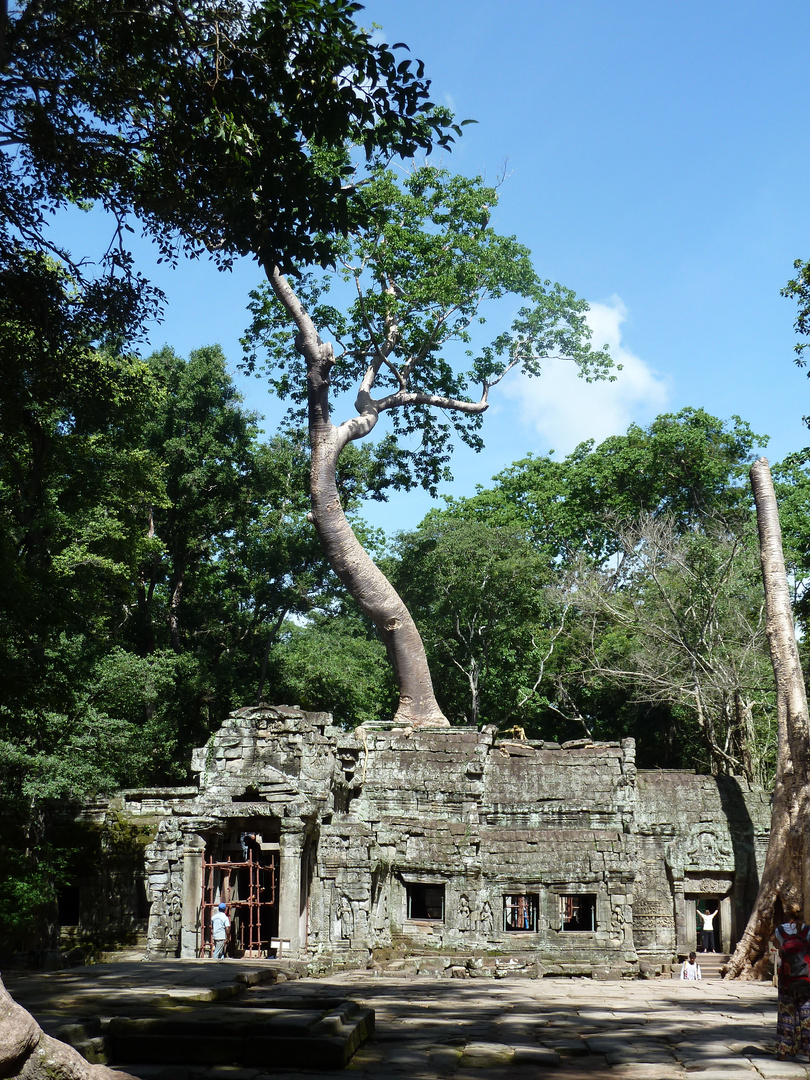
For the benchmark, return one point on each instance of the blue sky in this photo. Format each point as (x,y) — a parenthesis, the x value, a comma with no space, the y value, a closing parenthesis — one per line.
(657,159)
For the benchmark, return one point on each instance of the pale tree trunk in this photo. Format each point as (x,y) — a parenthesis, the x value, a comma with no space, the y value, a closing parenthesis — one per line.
(785,874)
(472,675)
(744,736)
(372,591)
(173,618)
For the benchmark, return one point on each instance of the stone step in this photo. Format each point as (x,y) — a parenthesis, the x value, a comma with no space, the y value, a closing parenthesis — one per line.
(709,964)
(122,955)
(319,1034)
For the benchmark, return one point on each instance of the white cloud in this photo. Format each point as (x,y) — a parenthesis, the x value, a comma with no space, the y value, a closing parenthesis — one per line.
(564,410)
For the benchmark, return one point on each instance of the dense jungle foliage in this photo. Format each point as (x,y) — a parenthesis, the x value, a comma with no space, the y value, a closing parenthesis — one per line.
(159,570)
(157,565)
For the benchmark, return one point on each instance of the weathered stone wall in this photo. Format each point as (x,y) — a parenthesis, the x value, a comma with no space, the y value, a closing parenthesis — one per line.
(485,819)
(700,837)
(426,843)
(164,889)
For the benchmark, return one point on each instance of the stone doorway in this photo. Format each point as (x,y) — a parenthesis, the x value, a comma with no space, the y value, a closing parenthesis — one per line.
(245,876)
(723,929)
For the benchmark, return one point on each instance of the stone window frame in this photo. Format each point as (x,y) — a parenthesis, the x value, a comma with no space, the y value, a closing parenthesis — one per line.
(533,898)
(578,894)
(412,881)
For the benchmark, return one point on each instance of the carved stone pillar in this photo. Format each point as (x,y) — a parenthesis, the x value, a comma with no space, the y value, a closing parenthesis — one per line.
(191,930)
(691,928)
(684,934)
(291,847)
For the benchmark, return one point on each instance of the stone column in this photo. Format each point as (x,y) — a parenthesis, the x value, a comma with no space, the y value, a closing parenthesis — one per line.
(724,942)
(681,925)
(691,927)
(291,846)
(191,930)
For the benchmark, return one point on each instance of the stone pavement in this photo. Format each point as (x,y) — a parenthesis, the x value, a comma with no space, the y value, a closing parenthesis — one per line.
(56,996)
(467,1029)
(516,1028)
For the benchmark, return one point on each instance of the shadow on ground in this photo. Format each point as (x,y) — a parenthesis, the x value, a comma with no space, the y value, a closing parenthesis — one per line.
(470,1029)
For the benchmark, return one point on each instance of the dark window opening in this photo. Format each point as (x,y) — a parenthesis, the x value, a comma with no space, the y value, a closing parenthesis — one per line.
(67,901)
(520,912)
(425,901)
(578,912)
(250,794)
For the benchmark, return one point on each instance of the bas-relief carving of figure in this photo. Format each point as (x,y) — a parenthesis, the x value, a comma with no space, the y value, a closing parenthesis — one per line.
(362,918)
(382,911)
(652,890)
(345,917)
(617,920)
(175,918)
(464,913)
(707,849)
(487,920)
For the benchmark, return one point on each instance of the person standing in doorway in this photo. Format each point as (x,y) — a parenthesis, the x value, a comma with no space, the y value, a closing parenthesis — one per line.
(220,931)
(707,933)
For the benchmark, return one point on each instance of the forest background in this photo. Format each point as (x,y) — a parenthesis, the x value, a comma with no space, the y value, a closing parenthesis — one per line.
(610,589)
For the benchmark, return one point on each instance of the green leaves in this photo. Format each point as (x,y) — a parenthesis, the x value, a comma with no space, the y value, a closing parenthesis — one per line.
(336,665)
(798,288)
(418,280)
(642,615)
(201,119)
(688,466)
(477,594)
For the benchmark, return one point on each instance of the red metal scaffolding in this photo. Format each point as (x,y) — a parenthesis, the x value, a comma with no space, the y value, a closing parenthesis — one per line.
(251,914)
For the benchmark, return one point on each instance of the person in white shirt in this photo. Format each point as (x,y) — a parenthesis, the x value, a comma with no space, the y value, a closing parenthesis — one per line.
(220,931)
(690,968)
(707,933)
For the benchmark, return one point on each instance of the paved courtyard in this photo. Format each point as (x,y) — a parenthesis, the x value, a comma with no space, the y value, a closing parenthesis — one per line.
(568,1028)
(468,1029)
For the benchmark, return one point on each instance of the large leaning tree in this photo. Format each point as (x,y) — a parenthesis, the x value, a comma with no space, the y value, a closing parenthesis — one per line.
(785,877)
(246,128)
(225,128)
(785,880)
(418,281)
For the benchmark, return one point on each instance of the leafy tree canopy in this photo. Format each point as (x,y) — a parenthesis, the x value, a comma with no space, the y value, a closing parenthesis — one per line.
(225,127)
(647,611)
(798,289)
(416,283)
(334,664)
(689,467)
(479,594)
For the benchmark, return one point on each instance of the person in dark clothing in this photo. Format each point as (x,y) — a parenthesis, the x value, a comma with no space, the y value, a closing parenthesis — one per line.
(793,1002)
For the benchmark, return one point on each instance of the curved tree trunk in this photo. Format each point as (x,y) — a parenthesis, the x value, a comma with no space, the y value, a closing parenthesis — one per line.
(372,591)
(785,874)
(370,588)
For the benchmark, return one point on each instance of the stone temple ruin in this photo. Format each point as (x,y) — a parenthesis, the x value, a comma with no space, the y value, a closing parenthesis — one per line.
(450,851)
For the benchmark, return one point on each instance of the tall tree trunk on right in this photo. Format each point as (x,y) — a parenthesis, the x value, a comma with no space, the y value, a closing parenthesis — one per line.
(785,874)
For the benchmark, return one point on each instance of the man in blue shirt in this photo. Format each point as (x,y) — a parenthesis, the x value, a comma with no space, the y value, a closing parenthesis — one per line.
(221,931)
